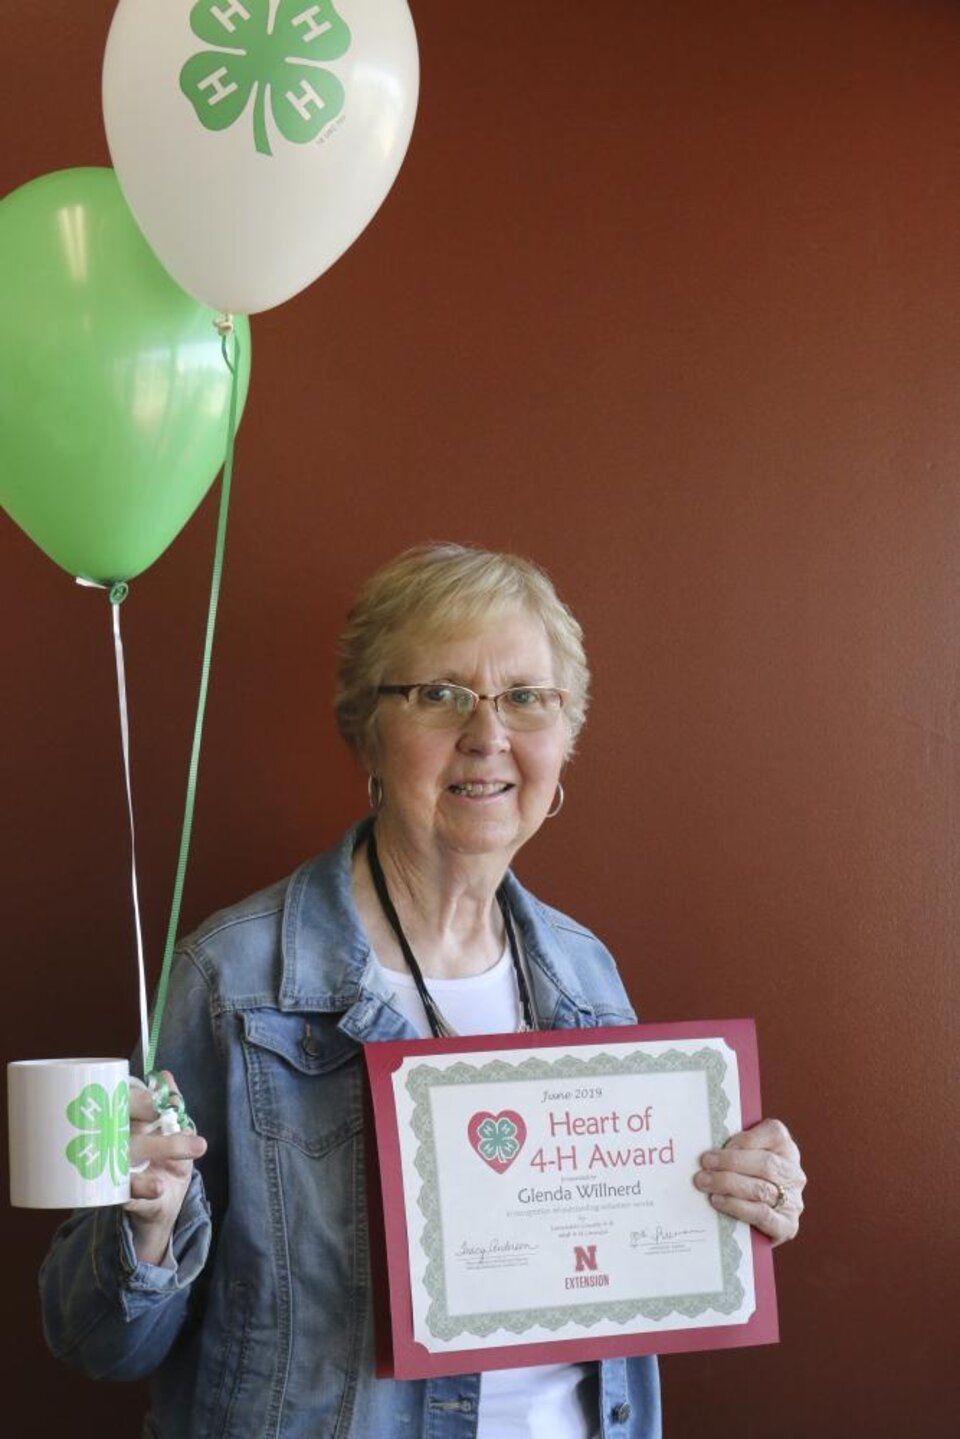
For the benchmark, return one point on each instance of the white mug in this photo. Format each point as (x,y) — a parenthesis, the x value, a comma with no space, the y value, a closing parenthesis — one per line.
(69,1132)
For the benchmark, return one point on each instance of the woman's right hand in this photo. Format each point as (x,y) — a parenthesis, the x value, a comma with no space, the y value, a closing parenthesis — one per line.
(157,1193)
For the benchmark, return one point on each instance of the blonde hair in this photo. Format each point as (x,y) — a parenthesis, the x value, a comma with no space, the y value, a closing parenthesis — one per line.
(436,590)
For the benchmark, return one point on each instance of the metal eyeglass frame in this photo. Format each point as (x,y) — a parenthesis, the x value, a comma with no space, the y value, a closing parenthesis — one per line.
(407,690)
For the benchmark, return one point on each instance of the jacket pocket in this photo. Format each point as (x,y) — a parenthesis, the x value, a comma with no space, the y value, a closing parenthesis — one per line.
(304,1079)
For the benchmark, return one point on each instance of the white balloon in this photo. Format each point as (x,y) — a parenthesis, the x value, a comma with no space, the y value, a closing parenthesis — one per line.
(254,139)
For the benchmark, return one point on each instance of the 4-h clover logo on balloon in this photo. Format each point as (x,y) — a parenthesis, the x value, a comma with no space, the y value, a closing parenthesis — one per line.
(105,1123)
(251,58)
(497,1138)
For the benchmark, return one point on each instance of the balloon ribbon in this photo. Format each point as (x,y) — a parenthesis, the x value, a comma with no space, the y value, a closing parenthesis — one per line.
(118,593)
(150,1049)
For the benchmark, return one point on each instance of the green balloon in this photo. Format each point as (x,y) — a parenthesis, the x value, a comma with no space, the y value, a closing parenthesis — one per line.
(114,394)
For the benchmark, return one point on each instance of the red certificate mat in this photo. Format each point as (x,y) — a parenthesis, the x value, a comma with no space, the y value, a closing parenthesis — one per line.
(531,1197)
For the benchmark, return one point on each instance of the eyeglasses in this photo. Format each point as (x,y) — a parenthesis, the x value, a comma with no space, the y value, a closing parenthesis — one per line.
(446,706)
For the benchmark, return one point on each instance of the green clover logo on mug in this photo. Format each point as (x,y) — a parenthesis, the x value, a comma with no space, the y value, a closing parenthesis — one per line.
(105,1138)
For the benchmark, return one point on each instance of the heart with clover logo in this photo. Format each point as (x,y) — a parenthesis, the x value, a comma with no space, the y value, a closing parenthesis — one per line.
(497,1138)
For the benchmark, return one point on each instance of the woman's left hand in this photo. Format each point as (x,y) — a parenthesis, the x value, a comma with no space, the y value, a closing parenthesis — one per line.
(756,1177)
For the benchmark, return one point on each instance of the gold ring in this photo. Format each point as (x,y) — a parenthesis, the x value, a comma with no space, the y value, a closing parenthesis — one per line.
(781,1198)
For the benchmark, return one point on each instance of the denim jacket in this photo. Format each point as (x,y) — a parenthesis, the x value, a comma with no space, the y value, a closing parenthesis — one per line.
(263,1329)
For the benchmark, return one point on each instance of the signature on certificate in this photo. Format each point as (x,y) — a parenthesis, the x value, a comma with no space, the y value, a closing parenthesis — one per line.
(496,1251)
(660,1235)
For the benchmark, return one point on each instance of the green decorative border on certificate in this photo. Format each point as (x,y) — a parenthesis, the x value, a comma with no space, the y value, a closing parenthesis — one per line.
(445,1326)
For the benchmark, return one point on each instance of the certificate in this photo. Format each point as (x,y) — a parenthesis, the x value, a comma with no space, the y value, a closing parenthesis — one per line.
(532,1197)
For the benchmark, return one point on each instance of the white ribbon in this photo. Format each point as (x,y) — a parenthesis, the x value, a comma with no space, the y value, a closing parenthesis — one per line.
(125,743)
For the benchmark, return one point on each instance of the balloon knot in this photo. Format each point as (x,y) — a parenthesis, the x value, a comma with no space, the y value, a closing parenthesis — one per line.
(119,592)
(224,326)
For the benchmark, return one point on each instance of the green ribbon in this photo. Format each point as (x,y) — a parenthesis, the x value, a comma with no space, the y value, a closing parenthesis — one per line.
(164,1099)
(161,995)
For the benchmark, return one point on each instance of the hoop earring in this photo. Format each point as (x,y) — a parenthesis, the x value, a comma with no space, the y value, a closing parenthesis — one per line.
(374,792)
(557,802)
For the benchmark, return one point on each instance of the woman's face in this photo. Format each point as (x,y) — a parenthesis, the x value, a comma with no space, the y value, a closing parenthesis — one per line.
(478,788)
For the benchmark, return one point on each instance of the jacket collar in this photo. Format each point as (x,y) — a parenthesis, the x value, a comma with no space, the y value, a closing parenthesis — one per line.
(324,949)
(328,966)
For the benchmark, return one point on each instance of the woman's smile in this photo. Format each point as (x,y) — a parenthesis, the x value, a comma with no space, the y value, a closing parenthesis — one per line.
(479,789)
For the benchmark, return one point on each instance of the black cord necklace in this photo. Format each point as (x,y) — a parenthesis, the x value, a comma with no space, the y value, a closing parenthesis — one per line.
(438,1025)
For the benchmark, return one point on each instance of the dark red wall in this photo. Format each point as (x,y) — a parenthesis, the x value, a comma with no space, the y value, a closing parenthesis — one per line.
(667,295)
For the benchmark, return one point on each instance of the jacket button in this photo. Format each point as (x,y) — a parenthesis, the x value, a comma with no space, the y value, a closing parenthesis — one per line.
(621,1414)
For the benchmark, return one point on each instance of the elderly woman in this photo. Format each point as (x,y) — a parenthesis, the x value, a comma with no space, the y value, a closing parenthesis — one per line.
(246,1296)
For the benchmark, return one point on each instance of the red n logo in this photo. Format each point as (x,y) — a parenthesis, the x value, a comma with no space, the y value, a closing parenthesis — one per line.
(585,1258)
